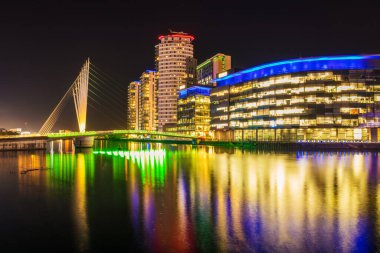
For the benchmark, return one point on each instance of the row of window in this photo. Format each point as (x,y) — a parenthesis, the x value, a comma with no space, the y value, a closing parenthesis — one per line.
(241,104)
(298,101)
(294,121)
(301,134)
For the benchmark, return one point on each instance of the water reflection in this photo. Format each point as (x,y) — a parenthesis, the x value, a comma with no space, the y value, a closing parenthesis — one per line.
(186,199)
(80,203)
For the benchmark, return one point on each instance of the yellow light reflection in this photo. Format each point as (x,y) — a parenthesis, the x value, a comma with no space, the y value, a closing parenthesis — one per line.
(80,203)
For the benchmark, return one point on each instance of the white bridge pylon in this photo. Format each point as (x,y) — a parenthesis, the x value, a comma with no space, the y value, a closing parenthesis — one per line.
(79,91)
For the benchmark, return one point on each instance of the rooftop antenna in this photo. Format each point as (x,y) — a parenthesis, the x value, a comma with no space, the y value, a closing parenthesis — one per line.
(171,31)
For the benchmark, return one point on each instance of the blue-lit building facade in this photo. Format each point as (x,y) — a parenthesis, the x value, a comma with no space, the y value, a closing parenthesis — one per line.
(322,98)
(194,111)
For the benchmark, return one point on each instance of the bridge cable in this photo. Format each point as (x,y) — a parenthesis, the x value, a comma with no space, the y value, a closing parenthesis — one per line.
(96,69)
(52,119)
(107,85)
(101,86)
(105,89)
(116,100)
(101,101)
(96,85)
(115,121)
(112,103)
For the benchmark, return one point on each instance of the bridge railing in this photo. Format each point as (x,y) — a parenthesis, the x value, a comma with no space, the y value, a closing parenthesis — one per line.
(116,132)
(99,133)
(72,134)
(170,134)
(20,136)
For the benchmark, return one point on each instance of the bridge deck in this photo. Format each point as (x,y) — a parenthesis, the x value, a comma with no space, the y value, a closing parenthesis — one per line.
(70,135)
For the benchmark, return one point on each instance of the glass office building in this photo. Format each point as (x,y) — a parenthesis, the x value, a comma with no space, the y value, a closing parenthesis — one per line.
(321,98)
(207,71)
(194,111)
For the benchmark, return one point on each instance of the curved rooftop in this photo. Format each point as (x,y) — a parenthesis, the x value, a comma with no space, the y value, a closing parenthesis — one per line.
(178,35)
(194,90)
(344,62)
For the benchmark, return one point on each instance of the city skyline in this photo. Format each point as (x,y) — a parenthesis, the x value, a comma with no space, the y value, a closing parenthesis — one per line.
(189,126)
(42,51)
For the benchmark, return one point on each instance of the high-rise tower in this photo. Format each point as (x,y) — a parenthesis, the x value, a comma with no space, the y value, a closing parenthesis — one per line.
(133,105)
(147,100)
(171,55)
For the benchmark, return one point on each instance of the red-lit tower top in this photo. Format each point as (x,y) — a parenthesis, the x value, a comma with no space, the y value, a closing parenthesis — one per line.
(177,35)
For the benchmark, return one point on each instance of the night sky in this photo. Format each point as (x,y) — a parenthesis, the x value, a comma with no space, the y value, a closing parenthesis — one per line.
(43,45)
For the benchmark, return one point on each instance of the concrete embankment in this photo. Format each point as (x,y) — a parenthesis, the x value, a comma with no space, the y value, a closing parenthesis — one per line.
(297,146)
(271,145)
(41,144)
(23,144)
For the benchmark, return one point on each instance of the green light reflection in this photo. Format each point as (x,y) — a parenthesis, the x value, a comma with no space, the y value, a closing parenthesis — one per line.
(152,163)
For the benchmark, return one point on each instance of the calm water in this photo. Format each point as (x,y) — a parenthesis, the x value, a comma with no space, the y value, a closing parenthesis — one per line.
(167,198)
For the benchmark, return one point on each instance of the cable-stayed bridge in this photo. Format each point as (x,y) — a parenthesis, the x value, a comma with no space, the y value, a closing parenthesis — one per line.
(89,89)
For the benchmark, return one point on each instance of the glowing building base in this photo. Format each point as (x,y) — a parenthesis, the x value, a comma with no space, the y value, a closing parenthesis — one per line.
(84,142)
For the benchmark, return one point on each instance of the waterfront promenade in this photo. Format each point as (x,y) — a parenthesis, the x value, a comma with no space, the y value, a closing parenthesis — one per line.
(41,143)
